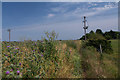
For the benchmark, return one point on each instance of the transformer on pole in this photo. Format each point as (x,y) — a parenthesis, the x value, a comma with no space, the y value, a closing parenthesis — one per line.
(85,26)
(9,30)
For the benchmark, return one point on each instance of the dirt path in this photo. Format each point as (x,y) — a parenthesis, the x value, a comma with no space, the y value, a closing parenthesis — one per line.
(83,64)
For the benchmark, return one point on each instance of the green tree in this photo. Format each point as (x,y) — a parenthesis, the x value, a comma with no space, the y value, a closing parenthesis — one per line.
(91,32)
(99,31)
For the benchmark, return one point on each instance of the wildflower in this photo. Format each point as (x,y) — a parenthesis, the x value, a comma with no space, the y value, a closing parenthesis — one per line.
(18,72)
(41,54)
(16,48)
(19,63)
(8,46)
(33,50)
(11,70)
(8,72)
(6,55)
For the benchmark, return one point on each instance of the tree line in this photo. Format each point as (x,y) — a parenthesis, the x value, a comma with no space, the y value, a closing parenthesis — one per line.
(98,38)
(98,34)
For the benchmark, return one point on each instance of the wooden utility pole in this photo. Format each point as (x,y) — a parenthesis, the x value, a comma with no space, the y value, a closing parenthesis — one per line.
(85,26)
(9,30)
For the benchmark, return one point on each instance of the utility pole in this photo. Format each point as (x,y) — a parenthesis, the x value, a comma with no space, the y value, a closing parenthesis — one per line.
(9,30)
(85,26)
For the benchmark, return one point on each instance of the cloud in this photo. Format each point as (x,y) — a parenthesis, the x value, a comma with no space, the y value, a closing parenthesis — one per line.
(79,10)
(94,8)
(63,7)
(106,7)
(51,15)
(59,9)
(98,10)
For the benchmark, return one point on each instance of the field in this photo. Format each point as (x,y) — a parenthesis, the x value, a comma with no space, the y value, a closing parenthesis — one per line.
(57,59)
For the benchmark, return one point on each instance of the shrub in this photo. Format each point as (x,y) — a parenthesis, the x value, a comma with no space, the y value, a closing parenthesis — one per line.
(106,45)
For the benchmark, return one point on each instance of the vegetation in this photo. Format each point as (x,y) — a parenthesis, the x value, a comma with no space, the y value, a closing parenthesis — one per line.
(50,58)
(106,45)
(42,59)
(100,35)
(97,65)
(98,38)
(111,35)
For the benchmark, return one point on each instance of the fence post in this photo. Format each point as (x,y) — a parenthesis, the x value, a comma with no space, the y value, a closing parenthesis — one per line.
(100,49)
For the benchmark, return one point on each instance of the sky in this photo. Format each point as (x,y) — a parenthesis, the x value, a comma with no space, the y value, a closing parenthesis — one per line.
(60,0)
(30,20)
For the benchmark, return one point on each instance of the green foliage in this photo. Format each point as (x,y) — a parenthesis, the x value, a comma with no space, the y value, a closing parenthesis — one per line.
(49,45)
(91,32)
(99,31)
(115,46)
(106,45)
(97,38)
(96,65)
(100,35)
(93,36)
(111,35)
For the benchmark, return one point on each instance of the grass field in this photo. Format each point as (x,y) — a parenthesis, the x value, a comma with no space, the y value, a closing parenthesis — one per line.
(114,44)
(57,59)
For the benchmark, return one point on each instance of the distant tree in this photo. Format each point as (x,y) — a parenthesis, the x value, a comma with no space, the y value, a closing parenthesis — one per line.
(100,35)
(93,36)
(99,31)
(91,32)
(111,35)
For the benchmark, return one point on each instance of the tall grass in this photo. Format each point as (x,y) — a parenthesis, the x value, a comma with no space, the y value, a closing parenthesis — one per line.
(96,66)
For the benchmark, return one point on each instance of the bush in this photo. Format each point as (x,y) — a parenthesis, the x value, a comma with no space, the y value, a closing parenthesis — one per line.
(106,45)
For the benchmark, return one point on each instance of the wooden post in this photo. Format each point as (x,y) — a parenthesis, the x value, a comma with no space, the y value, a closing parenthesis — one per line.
(100,49)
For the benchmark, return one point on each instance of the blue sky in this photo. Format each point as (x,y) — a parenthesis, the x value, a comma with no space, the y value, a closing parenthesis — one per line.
(29,20)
